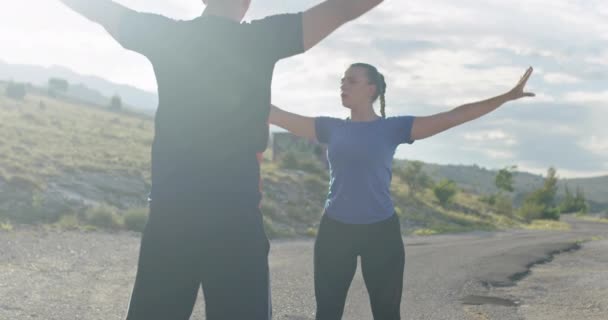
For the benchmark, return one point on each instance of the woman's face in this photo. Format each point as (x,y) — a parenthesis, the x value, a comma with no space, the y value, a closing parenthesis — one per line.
(356,88)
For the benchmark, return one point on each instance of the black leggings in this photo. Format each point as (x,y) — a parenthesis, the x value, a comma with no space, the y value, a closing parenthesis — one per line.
(382,262)
(185,246)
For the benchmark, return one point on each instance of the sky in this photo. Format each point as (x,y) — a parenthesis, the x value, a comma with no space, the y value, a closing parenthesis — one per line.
(435,54)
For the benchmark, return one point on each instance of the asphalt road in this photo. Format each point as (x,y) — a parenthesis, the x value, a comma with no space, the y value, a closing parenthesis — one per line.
(76,275)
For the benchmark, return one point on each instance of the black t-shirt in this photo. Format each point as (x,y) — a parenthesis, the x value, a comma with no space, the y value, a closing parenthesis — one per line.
(214,80)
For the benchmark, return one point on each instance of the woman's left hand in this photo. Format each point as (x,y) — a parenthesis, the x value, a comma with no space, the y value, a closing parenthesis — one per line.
(519,90)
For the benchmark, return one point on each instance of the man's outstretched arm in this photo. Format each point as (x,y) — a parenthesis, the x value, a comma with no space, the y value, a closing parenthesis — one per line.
(105,12)
(323,19)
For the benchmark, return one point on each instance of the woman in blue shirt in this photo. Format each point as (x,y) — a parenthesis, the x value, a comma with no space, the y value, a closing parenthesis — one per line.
(359,218)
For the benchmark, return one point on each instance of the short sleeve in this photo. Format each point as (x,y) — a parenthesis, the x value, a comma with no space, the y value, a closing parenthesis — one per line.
(144,33)
(278,36)
(400,129)
(323,128)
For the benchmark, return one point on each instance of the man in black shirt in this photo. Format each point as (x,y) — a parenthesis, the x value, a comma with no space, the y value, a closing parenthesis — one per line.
(214,77)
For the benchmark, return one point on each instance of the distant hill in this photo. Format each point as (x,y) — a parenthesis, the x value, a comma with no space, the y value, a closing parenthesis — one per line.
(91,89)
(479,180)
(64,155)
(65,162)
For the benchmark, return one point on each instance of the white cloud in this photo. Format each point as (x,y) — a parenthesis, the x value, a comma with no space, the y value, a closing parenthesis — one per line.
(597,145)
(600,59)
(441,77)
(491,136)
(539,98)
(587,97)
(560,78)
(493,144)
(561,172)
(499,154)
(436,54)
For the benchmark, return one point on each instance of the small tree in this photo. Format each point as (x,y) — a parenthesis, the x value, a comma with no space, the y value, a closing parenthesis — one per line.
(445,191)
(581,201)
(57,85)
(415,178)
(531,211)
(504,182)
(116,103)
(568,204)
(549,190)
(542,199)
(504,179)
(503,205)
(16,90)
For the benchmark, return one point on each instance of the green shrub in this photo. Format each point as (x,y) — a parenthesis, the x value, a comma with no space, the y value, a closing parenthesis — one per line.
(551,214)
(489,199)
(35,212)
(289,160)
(503,205)
(104,217)
(445,192)
(69,222)
(311,232)
(304,162)
(531,211)
(399,213)
(6,226)
(136,219)
(268,209)
(16,90)
(319,188)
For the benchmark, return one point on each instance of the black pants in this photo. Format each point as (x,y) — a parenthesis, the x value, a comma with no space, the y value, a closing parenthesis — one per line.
(186,245)
(380,247)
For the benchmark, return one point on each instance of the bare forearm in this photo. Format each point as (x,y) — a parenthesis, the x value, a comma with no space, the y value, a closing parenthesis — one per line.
(299,125)
(425,127)
(324,18)
(282,118)
(472,111)
(353,9)
(275,114)
(105,12)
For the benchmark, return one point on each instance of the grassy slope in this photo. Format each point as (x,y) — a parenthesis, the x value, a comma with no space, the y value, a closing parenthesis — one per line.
(44,140)
(58,138)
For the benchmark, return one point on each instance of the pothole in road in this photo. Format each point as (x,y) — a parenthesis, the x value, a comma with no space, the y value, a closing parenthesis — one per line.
(483,300)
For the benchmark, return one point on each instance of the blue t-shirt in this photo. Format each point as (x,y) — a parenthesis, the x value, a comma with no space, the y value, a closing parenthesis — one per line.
(360,157)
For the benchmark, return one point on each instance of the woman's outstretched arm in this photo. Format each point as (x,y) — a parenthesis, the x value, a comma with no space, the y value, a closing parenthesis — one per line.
(425,127)
(299,125)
